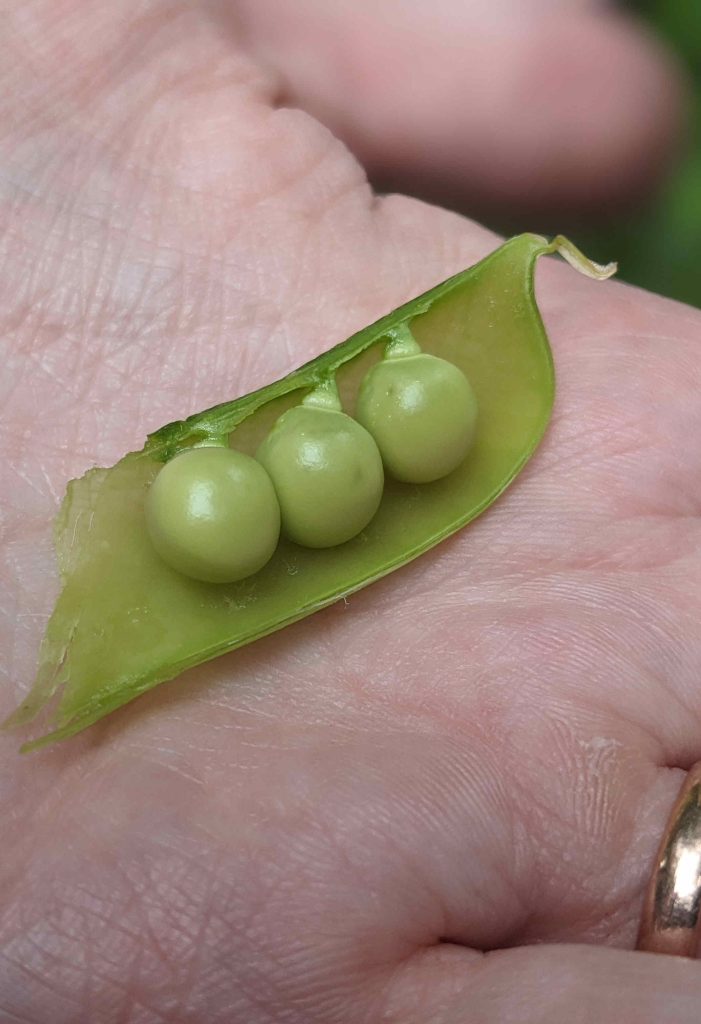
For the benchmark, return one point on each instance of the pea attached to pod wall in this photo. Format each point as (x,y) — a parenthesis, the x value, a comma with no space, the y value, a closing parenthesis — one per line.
(212,514)
(125,622)
(326,469)
(420,409)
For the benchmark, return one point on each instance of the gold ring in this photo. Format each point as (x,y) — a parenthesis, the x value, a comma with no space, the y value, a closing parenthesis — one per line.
(670,921)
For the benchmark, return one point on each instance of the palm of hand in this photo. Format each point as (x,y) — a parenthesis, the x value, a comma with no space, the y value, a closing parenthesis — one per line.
(480,750)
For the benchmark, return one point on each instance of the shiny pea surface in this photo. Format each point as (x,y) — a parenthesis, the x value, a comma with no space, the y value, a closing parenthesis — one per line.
(212,514)
(125,621)
(422,413)
(327,473)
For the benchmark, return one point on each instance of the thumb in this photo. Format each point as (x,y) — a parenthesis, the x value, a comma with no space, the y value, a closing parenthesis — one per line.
(526,103)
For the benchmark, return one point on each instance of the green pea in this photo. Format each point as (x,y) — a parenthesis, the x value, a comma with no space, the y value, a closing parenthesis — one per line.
(212,514)
(125,622)
(327,474)
(422,412)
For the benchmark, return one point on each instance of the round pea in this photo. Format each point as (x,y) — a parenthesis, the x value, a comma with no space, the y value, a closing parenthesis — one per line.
(327,473)
(212,514)
(422,412)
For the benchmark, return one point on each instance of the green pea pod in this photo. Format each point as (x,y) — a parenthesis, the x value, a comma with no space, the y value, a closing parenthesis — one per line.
(125,621)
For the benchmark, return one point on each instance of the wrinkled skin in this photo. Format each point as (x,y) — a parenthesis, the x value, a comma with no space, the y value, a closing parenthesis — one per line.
(478,754)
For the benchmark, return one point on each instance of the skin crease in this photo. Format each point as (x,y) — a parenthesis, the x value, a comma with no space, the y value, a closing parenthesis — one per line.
(482,749)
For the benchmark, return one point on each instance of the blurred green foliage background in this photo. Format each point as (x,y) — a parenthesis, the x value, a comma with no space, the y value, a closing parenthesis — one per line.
(659,247)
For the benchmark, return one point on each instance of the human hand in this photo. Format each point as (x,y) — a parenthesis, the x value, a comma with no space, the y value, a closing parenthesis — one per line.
(481,752)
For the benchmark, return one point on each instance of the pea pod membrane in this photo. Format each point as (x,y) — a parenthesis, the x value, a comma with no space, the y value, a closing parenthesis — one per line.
(125,621)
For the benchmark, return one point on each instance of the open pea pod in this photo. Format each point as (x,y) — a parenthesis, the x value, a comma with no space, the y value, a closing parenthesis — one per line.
(125,621)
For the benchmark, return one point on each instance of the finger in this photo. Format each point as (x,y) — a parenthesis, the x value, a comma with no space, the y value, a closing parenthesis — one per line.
(546,985)
(529,104)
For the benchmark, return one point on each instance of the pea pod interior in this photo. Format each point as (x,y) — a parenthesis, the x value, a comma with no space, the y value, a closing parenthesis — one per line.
(125,621)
